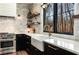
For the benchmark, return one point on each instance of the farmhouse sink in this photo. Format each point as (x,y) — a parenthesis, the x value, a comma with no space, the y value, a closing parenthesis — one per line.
(37,41)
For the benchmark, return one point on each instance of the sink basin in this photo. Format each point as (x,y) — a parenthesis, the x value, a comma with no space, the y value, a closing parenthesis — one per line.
(37,41)
(45,37)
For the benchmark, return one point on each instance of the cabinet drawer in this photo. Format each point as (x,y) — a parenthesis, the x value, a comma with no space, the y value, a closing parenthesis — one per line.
(50,49)
(28,37)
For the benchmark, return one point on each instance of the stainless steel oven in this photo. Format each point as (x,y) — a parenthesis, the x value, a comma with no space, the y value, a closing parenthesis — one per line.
(7,44)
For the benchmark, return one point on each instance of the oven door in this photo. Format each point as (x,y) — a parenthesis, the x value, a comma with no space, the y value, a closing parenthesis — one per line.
(5,44)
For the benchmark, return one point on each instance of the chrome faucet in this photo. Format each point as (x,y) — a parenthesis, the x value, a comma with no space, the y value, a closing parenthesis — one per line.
(48,29)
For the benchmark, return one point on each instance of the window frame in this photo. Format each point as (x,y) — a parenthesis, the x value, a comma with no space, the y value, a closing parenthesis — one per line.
(55,18)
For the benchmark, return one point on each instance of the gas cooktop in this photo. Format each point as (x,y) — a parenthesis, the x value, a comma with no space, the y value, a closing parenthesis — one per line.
(6,35)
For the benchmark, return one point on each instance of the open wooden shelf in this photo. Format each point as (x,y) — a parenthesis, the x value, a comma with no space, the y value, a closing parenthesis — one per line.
(76,16)
(30,16)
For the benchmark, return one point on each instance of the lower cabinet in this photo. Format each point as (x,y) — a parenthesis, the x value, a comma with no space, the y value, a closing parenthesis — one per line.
(35,51)
(23,42)
(49,49)
(54,50)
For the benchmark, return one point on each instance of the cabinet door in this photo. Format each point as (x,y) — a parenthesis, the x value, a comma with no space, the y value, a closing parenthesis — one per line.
(20,42)
(65,52)
(50,49)
(35,51)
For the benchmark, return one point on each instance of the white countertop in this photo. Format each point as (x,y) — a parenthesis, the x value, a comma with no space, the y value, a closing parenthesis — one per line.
(69,45)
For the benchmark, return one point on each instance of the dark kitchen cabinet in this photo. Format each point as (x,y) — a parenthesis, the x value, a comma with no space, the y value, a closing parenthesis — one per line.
(23,42)
(54,50)
(50,49)
(35,51)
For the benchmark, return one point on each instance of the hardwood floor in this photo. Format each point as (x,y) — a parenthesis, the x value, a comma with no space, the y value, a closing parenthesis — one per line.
(21,53)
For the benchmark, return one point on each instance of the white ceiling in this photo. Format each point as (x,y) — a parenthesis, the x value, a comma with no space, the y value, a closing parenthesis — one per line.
(24,5)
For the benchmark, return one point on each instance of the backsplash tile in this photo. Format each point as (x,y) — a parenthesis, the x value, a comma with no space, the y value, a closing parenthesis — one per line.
(7,24)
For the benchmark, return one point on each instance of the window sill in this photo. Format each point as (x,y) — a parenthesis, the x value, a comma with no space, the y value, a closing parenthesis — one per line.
(62,35)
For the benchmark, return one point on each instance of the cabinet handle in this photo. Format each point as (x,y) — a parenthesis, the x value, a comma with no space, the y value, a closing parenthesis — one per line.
(52,47)
(27,42)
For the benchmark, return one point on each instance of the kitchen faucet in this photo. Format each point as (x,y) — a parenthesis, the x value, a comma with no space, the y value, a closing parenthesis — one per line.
(48,27)
(49,30)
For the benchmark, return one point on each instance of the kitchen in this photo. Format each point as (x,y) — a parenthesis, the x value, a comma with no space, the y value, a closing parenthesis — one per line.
(39,29)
